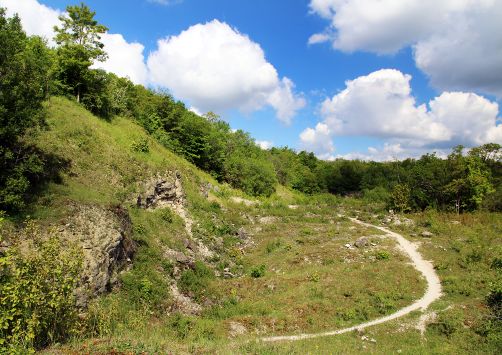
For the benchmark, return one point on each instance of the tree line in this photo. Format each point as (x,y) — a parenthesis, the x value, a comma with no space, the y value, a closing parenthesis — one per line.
(31,71)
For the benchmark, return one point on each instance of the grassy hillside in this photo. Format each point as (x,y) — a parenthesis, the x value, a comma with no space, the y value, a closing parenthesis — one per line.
(279,265)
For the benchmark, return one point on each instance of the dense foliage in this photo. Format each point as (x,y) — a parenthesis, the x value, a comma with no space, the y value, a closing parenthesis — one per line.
(24,65)
(37,302)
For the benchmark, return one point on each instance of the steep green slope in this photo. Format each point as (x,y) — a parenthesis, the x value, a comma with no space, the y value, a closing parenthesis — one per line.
(106,158)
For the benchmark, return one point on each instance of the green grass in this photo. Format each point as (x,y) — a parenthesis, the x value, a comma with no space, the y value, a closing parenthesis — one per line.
(296,276)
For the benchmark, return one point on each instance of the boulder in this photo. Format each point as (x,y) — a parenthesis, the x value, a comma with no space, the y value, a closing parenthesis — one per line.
(427,234)
(362,242)
(161,190)
(105,237)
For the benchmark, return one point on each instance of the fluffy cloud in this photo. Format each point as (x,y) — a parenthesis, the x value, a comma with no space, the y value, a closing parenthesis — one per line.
(319,141)
(456,42)
(265,144)
(211,65)
(381,105)
(215,68)
(37,19)
(124,58)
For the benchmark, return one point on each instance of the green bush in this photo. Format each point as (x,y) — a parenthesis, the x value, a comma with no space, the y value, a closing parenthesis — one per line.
(400,198)
(494,299)
(377,194)
(254,176)
(37,303)
(382,255)
(258,271)
(273,245)
(145,288)
(140,145)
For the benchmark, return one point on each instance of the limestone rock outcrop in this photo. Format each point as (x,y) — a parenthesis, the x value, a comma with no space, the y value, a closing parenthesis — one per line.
(105,237)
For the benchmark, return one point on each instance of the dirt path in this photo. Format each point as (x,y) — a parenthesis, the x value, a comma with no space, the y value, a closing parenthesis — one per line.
(426,269)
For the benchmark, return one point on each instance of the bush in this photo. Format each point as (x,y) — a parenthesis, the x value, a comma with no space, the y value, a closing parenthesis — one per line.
(494,299)
(167,215)
(258,271)
(382,255)
(145,288)
(400,198)
(37,303)
(255,176)
(140,145)
(377,194)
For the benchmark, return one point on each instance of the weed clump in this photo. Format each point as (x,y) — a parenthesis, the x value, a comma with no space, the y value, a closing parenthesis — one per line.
(258,271)
(140,145)
(382,255)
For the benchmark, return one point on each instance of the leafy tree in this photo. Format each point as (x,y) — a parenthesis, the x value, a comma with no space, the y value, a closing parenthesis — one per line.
(79,46)
(400,198)
(254,176)
(24,80)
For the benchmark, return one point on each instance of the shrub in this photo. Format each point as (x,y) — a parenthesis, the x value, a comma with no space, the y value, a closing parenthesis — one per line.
(377,194)
(400,198)
(382,255)
(37,303)
(255,176)
(273,245)
(494,299)
(145,288)
(182,325)
(258,271)
(140,145)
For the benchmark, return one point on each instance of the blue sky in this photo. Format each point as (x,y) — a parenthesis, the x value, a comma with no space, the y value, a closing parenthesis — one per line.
(439,92)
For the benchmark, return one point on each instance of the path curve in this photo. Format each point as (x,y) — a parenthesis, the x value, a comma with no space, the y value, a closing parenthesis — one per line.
(426,269)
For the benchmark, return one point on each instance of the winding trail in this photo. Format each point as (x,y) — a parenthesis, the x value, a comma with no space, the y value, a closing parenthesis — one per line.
(426,269)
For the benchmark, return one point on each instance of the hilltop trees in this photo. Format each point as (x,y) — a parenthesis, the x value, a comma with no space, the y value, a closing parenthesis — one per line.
(79,46)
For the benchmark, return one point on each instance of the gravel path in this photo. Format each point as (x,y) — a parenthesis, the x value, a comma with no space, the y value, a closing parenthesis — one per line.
(423,266)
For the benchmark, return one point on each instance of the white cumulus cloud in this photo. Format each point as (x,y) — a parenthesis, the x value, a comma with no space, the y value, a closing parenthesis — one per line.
(36,19)
(125,59)
(265,145)
(381,105)
(215,67)
(211,65)
(457,43)
(318,140)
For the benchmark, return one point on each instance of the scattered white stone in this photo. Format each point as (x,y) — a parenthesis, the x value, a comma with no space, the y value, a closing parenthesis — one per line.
(236,329)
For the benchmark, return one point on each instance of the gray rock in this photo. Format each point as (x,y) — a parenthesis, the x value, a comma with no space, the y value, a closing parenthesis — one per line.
(161,190)
(242,234)
(227,274)
(427,234)
(189,244)
(105,238)
(362,242)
